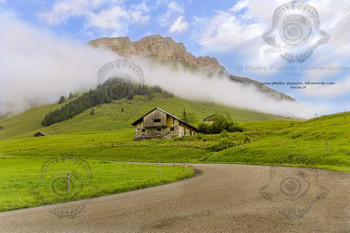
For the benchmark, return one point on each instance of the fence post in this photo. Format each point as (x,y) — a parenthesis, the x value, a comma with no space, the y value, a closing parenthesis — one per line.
(68,177)
(327,147)
(159,171)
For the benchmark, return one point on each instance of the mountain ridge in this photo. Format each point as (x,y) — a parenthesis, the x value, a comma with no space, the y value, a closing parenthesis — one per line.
(167,50)
(164,48)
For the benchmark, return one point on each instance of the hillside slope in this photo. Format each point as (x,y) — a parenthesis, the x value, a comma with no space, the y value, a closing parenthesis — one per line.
(119,115)
(321,142)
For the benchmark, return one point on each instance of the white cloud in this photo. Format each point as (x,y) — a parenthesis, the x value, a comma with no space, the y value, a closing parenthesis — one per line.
(175,7)
(238,29)
(113,21)
(340,89)
(225,32)
(197,87)
(180,25)
(62,10)
(174,18)
(240,5)
(109,17)
(139,13)
(241,27)
(33,72)
(336,52)
(173,11)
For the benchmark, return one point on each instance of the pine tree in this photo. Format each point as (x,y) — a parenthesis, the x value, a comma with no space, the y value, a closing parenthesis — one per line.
(71,96)
(62,100)
(92,112)
(184,115)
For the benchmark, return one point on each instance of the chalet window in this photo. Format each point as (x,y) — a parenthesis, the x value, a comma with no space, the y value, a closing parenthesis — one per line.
(159,129)
(191,132)
(157,120)
(143,130)
(173,121)
(172,128)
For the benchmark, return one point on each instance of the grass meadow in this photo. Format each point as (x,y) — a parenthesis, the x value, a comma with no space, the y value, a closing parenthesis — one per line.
(107,137)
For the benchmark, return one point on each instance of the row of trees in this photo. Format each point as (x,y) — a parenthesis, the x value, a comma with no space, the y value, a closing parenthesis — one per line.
(112,89)
(63,99)
(86,101)
(220,124)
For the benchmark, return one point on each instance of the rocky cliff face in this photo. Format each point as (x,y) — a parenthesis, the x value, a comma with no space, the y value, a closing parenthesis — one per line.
(165,49)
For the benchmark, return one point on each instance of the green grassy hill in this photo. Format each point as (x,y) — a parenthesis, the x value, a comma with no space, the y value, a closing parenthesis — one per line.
(107,136)
(99,140)
(323,141)
(118,115)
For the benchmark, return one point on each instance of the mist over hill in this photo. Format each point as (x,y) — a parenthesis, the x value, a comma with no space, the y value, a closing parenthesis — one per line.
(47,66)
(168,51)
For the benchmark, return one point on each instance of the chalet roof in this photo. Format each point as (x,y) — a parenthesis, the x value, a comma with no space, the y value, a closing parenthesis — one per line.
(169,114)
(41,133)
(209,117)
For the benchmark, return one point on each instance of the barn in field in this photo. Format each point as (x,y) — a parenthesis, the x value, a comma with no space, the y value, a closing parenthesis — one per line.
(41,134)
(160,124)
(209,119)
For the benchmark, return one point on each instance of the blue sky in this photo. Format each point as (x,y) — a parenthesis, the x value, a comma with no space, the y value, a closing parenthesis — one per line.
(229,30)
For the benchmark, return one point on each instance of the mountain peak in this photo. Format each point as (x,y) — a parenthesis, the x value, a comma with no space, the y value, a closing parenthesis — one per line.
(163,48)
(166,50)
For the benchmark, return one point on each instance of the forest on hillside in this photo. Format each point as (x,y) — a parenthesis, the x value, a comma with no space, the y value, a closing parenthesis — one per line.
(112,89)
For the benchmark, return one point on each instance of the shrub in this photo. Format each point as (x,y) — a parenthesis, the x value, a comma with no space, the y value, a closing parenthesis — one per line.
(235,128)
(220,124)
(167,95)
(204,128)
(224,144)
(157,88)
(247,140)
(224,134)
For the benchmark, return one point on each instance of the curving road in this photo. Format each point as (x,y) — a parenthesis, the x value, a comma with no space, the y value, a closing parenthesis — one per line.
(220,198)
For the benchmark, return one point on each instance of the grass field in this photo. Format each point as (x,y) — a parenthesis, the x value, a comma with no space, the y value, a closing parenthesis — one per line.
(119,115)
(99,139)
(24,184)
(268,141)
(107,136)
